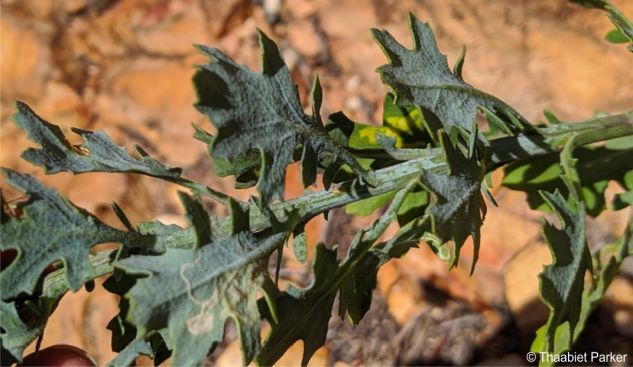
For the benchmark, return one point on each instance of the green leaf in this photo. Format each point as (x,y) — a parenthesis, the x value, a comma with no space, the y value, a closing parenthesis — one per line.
(365,207)
(16,334)
(340,128)
(562,282)
(361,266)
(597,166)
(127,357)
(366,136)
(356,290)
(97,154)
(303,313)
(124,333)
(551,117)
(244,168)
(616,36)
(402,130)
(624,26)
(625,199)
(50,228)
(300,244)
(407,122)
(414,206)
(456,209)
(262,113)
(192,292)
(164,236)
(612,256)
(421,77)
(404,124)
(199,219)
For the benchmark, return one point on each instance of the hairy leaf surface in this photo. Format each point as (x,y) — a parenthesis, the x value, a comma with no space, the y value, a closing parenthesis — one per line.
(303,314)
(361,265)
(612,257)
(562,282)
(49,228)
(456,208)
(262,113)
(192,292)
(97,154)
(16,334)
(124,333)
(422,77)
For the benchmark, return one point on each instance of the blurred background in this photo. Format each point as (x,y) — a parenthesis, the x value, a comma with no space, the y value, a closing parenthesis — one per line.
(125,66)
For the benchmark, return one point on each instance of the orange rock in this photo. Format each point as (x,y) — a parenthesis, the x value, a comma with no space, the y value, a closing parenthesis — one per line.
(231,356)
(404,300)
(388,275)
(71,6)
(39,9)
(93,190)
(162,88)
(176,32)
(294,354)
(61,105)
(303,37)
(619,300)
(24,58)
(300,9)
(522,286)
(504,233)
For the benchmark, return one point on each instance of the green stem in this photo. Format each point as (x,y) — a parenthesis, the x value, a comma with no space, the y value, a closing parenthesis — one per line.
(553,138)
(504,150)
(100,264)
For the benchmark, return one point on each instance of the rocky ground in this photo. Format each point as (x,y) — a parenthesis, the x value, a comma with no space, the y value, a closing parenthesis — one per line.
(125,66)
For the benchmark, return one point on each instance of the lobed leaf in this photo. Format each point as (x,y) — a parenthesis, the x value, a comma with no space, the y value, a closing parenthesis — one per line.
(124,333)
(262,114)
(361,265)
(612,256)
(97,154)
(456,208)
(562,282)
(50,228)
(303,314)
(192,292)
(421,77)
(596,168)
(16,334)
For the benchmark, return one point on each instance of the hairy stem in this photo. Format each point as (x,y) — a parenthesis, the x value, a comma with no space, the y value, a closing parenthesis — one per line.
(503,151)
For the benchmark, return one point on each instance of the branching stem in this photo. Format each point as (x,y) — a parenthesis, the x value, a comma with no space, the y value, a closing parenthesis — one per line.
(503,151)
